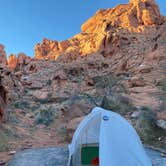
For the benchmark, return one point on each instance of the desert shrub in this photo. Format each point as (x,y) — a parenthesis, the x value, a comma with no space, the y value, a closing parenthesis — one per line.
(116,105)
(49,82)
(10,133)
(62,132)
(162,86)
(105,81)
(22,104)
(147,128)
(12,118)
(4,146)
(89,98)
(45,116)
(145,125)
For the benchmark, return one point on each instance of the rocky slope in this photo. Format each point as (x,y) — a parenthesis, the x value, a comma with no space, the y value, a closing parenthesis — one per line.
(117,62)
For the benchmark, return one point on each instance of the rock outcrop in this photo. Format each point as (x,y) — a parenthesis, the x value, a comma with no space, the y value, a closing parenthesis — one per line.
(12,61)
(18,63)
(10,88)
(100,31)
(3,59)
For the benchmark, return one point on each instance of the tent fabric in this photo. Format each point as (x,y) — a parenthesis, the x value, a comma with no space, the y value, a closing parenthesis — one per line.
(118,141)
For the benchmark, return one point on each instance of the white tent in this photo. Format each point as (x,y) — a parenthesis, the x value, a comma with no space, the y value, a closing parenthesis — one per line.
(119,144)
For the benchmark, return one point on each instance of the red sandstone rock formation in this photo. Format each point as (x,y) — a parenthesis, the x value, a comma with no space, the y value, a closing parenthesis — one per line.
(100,30)
(12,61)
(19,62)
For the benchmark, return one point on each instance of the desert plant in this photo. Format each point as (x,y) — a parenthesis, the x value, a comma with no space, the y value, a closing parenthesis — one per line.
(62,131)
(116,105)
(105,81)
(162,86)
(148,130)
(49,82)
(4,146)
(45,117)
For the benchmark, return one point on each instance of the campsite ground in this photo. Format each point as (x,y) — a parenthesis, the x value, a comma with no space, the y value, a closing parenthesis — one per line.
(58,156)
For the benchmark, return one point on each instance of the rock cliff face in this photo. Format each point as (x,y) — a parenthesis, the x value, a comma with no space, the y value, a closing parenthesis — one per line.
(18,63)
(12,61)
(99,32)
(10,88)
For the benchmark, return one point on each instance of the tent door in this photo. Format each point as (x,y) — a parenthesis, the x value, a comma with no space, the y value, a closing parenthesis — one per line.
(89,154)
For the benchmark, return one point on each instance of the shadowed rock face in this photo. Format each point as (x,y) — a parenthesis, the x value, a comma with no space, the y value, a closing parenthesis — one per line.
(10,88)
(2,98)
(97,33)
(3,59)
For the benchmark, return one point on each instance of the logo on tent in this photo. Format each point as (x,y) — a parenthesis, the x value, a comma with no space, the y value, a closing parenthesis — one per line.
(105,118)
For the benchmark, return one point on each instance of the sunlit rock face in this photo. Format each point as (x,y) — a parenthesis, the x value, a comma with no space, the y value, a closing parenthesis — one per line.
(100,29)
(130,16)
(18,63)
(12,61)
(3,59)
(147,12)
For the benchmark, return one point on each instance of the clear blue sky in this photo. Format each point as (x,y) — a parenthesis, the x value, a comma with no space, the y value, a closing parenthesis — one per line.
(23,23)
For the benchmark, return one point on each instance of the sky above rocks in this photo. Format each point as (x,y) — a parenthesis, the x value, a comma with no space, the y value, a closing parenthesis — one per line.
(26,22)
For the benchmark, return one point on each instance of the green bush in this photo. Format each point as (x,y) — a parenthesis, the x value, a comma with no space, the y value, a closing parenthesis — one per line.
(45,117)
(21,104)
(145,125)
(4,146)
(62,131)
(147,129)
(162,86)
(105,81)
(49,82)
(114,104)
